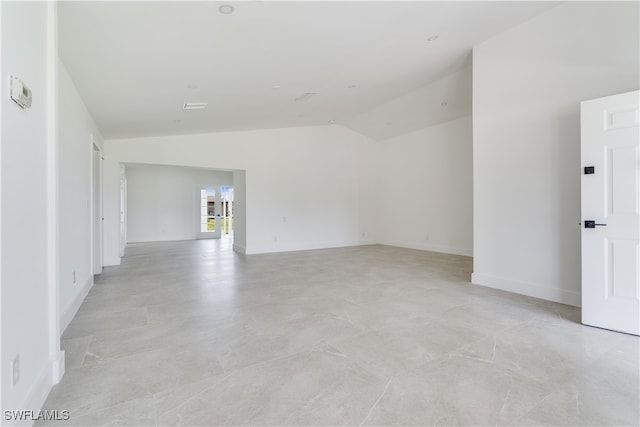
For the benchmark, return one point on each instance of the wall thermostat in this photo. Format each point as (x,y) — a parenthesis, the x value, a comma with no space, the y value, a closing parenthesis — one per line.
(20,93)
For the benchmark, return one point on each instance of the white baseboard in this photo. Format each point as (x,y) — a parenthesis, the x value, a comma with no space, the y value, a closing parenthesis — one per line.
(304,247)
(329,245)
(530,289)
(58,368)
(427,247)
(112,261)
(37,394)
(71,310)
(155,239)
(368,242)
(240,249)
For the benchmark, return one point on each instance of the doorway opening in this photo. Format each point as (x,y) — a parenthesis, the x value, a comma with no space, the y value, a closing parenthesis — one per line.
(171,203)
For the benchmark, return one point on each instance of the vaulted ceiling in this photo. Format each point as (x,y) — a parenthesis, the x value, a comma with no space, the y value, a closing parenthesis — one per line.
(380,68)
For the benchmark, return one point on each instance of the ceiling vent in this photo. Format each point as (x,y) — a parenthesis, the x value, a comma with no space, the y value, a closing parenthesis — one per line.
(195,105)
(305,96)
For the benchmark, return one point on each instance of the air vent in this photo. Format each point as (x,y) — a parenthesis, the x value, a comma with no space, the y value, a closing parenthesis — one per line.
(305,96)
(195,105)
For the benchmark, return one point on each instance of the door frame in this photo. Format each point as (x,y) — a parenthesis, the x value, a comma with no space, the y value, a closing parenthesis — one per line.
(96,208)
(122,212)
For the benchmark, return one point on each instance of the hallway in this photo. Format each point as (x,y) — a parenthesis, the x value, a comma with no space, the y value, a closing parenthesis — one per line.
(192,333)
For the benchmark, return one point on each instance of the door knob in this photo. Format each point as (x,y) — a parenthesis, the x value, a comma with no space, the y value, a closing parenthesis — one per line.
(592,224)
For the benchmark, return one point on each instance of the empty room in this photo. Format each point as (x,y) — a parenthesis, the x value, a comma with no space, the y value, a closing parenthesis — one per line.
(367,213)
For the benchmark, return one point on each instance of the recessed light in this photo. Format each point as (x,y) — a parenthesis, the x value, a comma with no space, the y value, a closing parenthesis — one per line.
(432,38)
(195,105)
(388,124)
(331,121)
(177,121)
(192,86)
(444,103)
(276,87)
(351,86)
(226,9)
(300,116)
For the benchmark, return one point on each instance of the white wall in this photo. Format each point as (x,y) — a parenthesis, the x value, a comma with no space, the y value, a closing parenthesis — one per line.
(419,108)
(527,87)
(302,184)
(161,201)
(368,193)
(26,151)
(426,189)
(75,128)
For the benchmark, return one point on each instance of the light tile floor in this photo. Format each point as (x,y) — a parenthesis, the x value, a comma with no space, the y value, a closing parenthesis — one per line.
(190,333)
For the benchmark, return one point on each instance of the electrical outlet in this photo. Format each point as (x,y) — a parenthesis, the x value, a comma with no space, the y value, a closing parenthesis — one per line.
(74,277)
(15,369)
(275,239)
(427,237)
(362,234)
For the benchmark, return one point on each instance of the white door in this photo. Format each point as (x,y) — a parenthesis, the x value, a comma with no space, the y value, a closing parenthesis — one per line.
(610,135)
